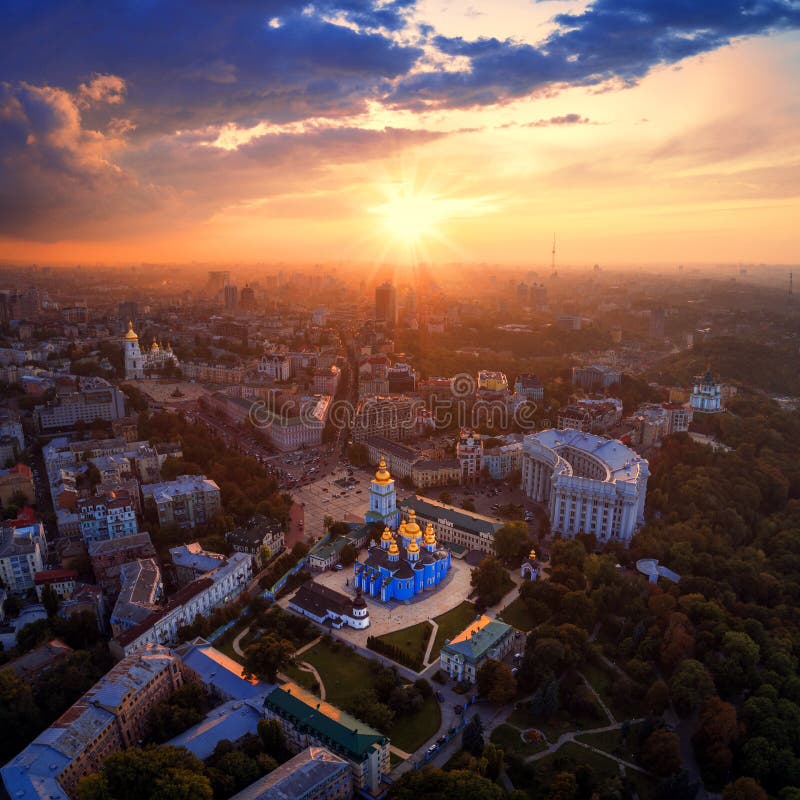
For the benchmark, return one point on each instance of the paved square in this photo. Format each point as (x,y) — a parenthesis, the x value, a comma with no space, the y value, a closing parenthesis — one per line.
(336,502)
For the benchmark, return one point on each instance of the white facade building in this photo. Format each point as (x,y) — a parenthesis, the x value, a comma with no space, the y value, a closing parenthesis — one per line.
(154,357)
(588,483)
(707,395)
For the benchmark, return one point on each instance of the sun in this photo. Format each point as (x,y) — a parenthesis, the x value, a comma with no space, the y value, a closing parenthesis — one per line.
(408,217)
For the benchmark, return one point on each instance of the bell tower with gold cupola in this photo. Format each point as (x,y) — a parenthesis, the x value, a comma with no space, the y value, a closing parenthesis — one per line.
(383,498)
(134,364)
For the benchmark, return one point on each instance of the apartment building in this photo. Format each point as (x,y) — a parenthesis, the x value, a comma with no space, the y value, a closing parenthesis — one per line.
(109,555)
(187,501)
(111,716)
(97,400)
(139,596)
(308,721)
(108,516)
(393,417)
(22,554)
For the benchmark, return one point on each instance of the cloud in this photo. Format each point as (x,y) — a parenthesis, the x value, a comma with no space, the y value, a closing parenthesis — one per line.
(101,89)
(616,41)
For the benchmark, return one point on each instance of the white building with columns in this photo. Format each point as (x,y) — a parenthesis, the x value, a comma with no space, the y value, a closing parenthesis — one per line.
(588,483)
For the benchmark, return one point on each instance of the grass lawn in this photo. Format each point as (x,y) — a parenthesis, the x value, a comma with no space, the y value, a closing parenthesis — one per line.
(558,724)
(413,641)
(452,622)
(569,756)
(346,674)
(412,730)
(611,742)
(509,739)
(602,680)
(305,679)
(225,642)
(516,615)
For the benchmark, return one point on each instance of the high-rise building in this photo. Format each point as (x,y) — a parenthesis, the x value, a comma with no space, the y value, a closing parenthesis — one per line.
(231,297)
(386,303)
(128,311)
(657,317)
(218,280)
(247,301)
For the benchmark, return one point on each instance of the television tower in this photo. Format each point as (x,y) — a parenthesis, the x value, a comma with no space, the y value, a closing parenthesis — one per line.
(553,261)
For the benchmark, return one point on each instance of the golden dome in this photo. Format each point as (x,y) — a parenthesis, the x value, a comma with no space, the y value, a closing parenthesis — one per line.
(393,548)
(154,346)
(413,547)
(430,534)
(412,528)
(131,336)
(382,476)
(386,536)
(532,555)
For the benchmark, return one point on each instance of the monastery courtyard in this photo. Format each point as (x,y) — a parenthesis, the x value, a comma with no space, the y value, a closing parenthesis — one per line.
(401,615)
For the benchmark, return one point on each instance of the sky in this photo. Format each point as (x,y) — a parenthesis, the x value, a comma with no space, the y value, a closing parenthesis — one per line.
(262,131)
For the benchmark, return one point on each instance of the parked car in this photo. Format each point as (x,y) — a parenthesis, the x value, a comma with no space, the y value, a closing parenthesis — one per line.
(338,567)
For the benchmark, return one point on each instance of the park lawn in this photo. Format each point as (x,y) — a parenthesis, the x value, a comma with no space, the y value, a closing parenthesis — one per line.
(602,680)
(509,739)
(516,615)
(561,722)
(570,756)
(410,731)
(451,623)
(612,742)
(412,641)
(305,679)
(346,674)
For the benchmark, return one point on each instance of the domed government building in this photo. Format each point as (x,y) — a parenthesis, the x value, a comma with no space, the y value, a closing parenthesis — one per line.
(407,561)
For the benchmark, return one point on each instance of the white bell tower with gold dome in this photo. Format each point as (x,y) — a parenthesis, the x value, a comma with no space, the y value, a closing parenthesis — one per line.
(383,498)
(134,363)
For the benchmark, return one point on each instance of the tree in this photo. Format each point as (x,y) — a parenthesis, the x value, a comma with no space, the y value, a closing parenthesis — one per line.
(496,681)
(689,686)
(661,753)
(468,504)
(563,787)
(490,580)
(656,701)
(430,783)
(511,542)
(494,761)
(50,600)
(744,789)
(18,713)
(718,728)
(273,739)
(150,773)
(446,497)
(264,658)
(347,555)
(367,708)
(472,737)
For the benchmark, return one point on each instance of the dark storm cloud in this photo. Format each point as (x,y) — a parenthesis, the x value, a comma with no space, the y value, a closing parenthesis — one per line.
(204,63)
(612,40)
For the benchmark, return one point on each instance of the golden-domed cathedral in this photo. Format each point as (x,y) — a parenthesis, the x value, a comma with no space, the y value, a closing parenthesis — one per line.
(404,563)
(153,357)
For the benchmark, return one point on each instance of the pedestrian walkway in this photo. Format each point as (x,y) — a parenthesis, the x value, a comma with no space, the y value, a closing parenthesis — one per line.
(426,658)
(599,699)
(236,646)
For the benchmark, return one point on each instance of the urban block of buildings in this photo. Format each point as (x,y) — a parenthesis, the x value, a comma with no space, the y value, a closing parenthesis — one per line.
(187,501)
(322,604)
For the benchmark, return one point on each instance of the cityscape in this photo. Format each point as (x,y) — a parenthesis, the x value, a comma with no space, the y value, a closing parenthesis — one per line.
(374,425)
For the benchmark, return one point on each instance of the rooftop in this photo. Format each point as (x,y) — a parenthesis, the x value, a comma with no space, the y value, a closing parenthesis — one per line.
(464,520)
(344,734)
(309,769)
(478,638)
(193,556)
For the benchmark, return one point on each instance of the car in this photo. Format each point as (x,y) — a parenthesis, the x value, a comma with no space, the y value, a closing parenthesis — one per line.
(358,491)
(338,567)
(441,740)
(432,749)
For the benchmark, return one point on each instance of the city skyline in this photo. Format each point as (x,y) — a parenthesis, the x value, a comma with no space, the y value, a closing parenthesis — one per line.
(402,131)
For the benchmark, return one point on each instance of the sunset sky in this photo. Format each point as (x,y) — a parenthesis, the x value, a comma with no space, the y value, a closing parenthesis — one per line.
(639,131)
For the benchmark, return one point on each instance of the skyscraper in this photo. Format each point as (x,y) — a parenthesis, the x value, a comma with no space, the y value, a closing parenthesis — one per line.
(231,297)
(386,303)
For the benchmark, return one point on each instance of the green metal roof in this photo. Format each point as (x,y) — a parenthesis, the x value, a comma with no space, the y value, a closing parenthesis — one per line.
(468,521)
(344,734)
(475,647)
